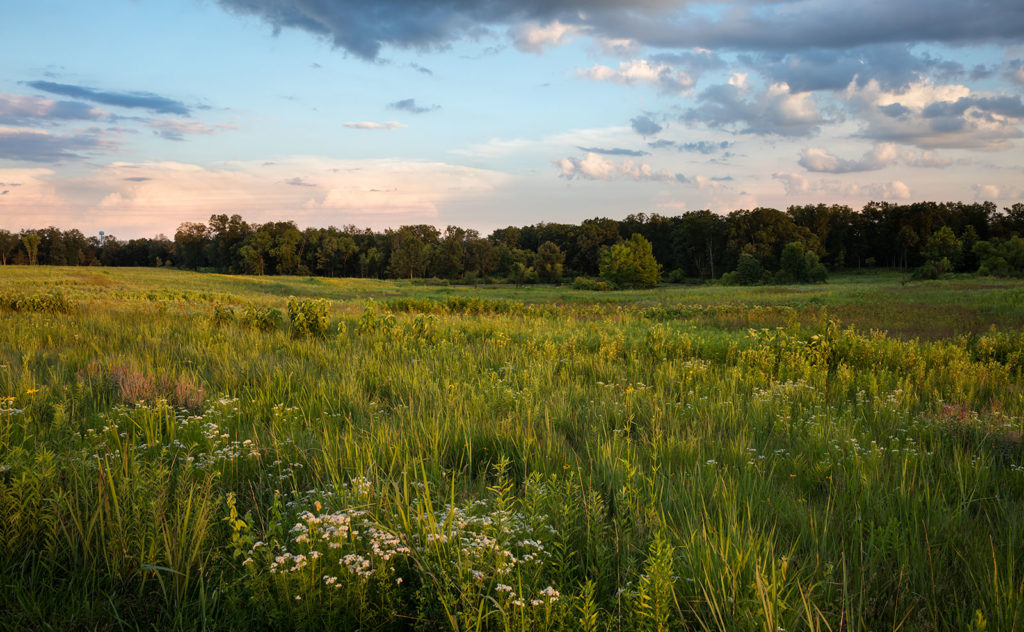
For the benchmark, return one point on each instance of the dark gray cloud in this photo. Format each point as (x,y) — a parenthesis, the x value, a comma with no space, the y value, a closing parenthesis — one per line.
(409,105)
(682,179)
(1004,105)
(701,147)
(421,69)
(24,109)
(892,65)
(894,110)
(777,111)
(930,119)
(138,100)
(39,146)
(299,182)
(614,151)
(363,27)
(137,179)
(1014,71)
(705,147)
(645,125)
(827,24)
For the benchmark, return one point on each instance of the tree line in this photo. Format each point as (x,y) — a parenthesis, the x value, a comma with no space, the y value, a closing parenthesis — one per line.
(744,246)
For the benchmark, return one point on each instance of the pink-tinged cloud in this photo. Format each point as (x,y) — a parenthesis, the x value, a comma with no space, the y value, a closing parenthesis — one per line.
(178,129)
(129,199)
(386,125)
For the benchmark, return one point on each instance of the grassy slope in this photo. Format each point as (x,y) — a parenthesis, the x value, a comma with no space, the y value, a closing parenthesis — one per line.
(678,468)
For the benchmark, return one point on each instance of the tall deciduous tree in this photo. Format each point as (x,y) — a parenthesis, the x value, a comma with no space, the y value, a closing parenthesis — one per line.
(548,262)
(630,263)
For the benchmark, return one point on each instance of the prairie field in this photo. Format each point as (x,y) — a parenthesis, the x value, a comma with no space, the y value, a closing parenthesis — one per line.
(184,451)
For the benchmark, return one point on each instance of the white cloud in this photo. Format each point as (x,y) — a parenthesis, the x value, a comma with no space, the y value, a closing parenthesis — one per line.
(986,192)
(386,125)
(933,116)
(533,37)
(596,167)
(878,157)
(776,111)
(793,183)
(640,71)
(620,47)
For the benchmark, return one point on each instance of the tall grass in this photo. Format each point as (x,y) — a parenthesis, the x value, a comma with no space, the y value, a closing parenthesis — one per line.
(425,458)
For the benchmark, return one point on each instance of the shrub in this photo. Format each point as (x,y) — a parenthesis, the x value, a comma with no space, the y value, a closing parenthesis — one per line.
(308,317)
(583,283)
(261,318)
(52,303)
(222,315)
(676,276)
(928,271)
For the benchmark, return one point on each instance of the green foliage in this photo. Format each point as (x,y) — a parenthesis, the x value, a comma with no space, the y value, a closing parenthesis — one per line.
(548,262)
(223,315)
(798,265)
(630,264)
(748,272)
(51,303)
(522,274)
(264,319)
(309,317)
(1004,258)
(943,250)
(596,285)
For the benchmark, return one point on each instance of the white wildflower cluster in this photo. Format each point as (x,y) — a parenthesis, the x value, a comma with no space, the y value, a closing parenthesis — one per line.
(475,543)
(357,565)
(288,563)
(196,441)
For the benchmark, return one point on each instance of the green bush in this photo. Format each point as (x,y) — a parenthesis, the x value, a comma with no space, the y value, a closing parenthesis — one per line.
(308,317)
(222,315)
(583,283)
(261,318)
(52,303)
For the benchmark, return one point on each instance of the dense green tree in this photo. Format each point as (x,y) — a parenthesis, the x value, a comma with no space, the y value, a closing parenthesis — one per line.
(410,251)
(943,249)
(31,242)
(9,242)
(748,270)
(630,263)
(227,235)
(451,252)
(190,242)
(548,262)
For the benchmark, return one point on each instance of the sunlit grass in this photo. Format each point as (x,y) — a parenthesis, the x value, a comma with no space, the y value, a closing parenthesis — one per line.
(695,458)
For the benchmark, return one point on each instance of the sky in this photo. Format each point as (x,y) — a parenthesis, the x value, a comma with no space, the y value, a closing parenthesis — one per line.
(133,116)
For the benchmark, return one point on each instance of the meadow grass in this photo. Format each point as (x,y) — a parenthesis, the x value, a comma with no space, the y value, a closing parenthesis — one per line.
(176,454)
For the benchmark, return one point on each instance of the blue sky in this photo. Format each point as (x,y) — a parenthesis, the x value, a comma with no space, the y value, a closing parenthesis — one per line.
(132,117)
